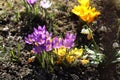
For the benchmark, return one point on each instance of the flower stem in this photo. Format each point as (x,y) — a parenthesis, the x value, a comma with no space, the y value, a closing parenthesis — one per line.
(96,48)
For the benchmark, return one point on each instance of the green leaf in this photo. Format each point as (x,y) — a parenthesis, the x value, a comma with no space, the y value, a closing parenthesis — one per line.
(18,47)
(118,54)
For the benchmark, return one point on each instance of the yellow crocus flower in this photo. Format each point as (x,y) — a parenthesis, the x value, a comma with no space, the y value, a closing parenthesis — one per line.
(74,54)
(84,61)
(60,51)
(85,12)
(70,59)
(78,52)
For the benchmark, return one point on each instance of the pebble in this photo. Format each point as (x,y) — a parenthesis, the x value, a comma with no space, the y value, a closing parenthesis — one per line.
(115,45)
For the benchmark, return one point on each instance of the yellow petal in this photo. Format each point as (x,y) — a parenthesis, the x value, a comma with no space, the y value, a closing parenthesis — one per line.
(89,36)
(84,2)
(60,51)
(31,59)
(84,61)
(78,53)
(70,59)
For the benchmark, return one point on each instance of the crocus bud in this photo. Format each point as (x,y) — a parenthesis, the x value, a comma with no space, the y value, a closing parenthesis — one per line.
(31,2)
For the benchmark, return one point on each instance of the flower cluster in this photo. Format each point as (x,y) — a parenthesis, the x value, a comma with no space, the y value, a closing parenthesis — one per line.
(72,56)
(67,42)
(85,12)
(42,40)
(61,47)
(43,3)
(37,8)
(84,56)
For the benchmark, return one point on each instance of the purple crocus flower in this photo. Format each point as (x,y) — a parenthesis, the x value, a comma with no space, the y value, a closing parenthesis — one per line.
(68,42)
(45,4)
(40,39)
(49,45)
(38,49)
(31,2)
(30,39)
(40,35)
(57,42)
(70,36)
(48,35)
(43,29)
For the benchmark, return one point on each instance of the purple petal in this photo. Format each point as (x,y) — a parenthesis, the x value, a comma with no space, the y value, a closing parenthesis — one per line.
(31,2)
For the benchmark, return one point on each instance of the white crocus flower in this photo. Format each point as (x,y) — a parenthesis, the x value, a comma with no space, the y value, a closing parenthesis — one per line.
(45,4)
